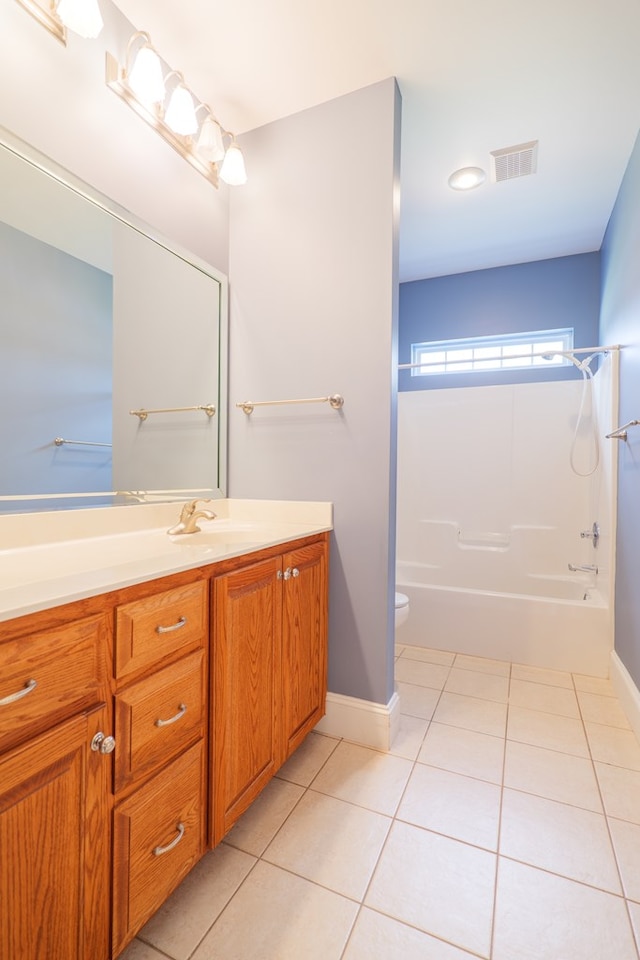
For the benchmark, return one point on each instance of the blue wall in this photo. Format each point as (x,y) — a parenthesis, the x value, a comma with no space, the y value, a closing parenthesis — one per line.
(547,294)
(620,323)
(56,353)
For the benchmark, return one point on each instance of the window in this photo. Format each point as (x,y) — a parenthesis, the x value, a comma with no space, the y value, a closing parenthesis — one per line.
(517,351)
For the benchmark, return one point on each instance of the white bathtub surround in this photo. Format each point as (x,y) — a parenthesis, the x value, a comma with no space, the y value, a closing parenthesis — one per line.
(361,721)
(560,634)
(490,515)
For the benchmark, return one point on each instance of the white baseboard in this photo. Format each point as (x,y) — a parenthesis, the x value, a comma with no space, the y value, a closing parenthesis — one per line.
(361,721)
(626,691)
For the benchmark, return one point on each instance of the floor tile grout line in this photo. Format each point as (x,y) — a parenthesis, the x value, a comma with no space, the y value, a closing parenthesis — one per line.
(161,953)
(499,836)
(395,813)
(412,926)
(259,858)
(635,937)
(306,788)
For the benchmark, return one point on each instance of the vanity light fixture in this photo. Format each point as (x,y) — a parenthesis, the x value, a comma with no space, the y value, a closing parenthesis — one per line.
(466,178)
(210,144)
(143,70)
(180,114)
(201,142)
(232,170)
(46,16)
(81,16)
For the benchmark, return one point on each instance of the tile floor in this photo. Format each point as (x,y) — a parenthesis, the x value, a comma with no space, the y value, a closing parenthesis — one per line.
(503,824)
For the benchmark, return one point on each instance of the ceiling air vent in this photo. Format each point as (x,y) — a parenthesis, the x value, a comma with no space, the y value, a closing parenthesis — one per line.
(518,161)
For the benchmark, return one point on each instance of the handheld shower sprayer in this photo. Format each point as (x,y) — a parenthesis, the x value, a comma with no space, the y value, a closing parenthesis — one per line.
(584,366)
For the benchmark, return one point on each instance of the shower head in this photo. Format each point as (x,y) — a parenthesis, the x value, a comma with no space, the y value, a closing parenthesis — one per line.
(567,356)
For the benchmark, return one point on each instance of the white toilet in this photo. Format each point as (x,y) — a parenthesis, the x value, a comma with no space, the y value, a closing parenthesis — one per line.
(402,608)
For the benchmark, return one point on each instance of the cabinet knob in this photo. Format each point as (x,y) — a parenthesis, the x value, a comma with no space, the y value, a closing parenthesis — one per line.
(102,743)
(295,572)
(284,576)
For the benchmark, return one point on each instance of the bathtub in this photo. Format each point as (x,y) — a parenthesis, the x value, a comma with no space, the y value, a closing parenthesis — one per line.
(493,610)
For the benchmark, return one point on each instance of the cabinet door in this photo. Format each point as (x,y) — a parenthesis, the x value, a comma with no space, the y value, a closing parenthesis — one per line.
(304,643)
(46,809)
(246,660)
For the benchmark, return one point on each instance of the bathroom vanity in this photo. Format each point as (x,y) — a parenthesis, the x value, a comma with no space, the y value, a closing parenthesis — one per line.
(150,687)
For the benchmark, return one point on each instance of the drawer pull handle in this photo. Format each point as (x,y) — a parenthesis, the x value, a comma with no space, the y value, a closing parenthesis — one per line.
(158,851)
(182,709)
(174,626)
(28,687)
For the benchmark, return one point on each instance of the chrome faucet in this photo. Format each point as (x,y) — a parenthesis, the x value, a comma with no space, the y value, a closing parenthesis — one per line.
(593,534)
(583,568)
(189,517)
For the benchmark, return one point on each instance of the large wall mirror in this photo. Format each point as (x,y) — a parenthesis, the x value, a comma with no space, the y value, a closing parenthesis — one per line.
(101,317)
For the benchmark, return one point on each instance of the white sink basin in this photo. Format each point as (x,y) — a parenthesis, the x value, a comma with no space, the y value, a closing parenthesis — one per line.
(213,533)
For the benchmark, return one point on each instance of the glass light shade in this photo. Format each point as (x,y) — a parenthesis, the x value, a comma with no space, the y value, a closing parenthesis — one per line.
(233,171)
(210,143)
(181,113)
(467,178)
(81,16)
(145,76)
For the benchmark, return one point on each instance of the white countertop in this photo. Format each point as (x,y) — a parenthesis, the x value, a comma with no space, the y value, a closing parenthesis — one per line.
(48,559)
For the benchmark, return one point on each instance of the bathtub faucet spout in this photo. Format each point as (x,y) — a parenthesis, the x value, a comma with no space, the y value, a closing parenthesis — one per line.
(583,568)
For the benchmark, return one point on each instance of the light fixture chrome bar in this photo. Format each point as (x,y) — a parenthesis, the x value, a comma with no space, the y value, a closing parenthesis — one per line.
(116,81)
(208,408)
(59,441)
(621,432)
(47,17)
(335,400)
(515,356)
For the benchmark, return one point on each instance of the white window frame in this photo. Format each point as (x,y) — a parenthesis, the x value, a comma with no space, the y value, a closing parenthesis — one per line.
(493,354)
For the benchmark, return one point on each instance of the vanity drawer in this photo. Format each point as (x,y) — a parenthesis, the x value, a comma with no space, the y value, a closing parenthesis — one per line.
(151,629)
(159,716)
(159,835)
(49,676)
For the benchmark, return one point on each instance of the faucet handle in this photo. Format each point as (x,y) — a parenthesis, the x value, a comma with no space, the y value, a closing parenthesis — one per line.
(593,534)
(189,508)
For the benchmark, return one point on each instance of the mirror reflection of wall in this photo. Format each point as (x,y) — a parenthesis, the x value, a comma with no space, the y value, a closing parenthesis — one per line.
(166,355)
(99,316)
(56,336)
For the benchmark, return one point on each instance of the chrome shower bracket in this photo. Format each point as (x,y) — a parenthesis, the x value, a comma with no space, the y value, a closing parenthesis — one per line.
(593,534)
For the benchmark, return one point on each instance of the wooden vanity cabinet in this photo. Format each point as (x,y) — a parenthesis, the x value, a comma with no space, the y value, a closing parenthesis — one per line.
(269,644)
(204,704)
(303,668)
(161,724)
(55,869)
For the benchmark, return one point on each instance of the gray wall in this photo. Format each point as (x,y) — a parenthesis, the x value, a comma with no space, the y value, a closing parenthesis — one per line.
(313,312)
(620,323)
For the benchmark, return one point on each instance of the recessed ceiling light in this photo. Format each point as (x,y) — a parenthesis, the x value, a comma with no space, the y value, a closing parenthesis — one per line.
(466,178)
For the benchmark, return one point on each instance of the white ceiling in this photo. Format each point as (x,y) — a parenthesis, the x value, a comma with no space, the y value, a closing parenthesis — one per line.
(473,77)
